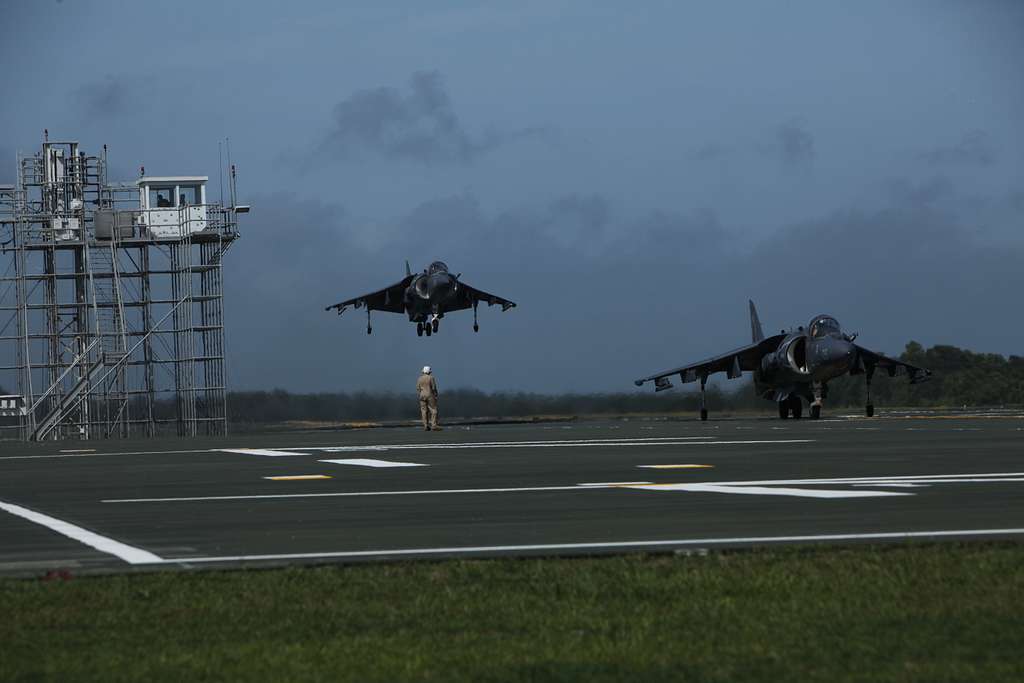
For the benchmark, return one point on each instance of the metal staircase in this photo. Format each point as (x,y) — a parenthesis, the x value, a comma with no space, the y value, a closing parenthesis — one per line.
(108,306)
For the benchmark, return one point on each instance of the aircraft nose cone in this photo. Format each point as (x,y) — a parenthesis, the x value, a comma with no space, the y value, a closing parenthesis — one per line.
(840,353)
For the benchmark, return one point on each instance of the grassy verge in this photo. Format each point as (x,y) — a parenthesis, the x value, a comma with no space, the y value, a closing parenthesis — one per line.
(930,613)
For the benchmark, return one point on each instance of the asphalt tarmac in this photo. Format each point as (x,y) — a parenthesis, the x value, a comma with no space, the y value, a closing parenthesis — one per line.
(555,489)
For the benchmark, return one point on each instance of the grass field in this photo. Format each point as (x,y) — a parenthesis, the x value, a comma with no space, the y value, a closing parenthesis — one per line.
(898,613)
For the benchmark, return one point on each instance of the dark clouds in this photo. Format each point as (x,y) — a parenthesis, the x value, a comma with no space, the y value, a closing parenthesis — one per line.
(602,296)
(973,149)
(795,146)
(709,152)
(903,191)
(108,97)
(419,125)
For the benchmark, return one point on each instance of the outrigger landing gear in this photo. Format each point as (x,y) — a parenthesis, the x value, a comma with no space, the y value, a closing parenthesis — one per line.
(476,326)
(369,328)
(703,404)
(869,408)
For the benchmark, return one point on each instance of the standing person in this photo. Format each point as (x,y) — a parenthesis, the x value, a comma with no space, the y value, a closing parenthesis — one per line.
(426,388)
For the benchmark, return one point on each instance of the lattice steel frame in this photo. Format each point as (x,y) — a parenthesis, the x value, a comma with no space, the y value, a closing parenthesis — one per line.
(108,337)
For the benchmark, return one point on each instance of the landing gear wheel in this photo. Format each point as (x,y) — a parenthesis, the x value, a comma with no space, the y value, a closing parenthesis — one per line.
(784,410)
(435,323)
(427,329)
(797,406)
(869,410)
(704,414)
(369,330)
(419,329)
(476,328)
(815,412)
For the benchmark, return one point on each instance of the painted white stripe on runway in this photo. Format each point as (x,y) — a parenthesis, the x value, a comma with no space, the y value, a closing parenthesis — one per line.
(553,443)
(901,485)
(370,462)
(913,478)
(259,451)
(301,450)
(675,467)
(297,477)
(767,491)
(953,479)
(349,494)
(129,554)
(740,540)
(685,441)
(616,483)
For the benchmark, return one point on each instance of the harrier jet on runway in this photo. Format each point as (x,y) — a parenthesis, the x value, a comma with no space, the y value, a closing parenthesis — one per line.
(793,365)
(425,297)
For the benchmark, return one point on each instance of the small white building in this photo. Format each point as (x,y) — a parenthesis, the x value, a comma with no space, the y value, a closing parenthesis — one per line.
(172,206)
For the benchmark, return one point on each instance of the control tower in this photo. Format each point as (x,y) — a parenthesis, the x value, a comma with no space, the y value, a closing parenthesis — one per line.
(111,300)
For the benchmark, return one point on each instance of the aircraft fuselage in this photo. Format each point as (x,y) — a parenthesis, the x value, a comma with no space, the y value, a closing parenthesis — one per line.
(427,294)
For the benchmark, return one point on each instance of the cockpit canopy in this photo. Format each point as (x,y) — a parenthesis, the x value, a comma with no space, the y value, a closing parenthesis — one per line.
(437,267)
(824,326)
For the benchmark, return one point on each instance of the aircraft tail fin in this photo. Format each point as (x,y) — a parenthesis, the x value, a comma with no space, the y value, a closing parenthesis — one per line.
(408,270)
(755,324)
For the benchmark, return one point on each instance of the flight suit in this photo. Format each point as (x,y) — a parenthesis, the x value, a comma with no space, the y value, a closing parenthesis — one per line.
(426,388)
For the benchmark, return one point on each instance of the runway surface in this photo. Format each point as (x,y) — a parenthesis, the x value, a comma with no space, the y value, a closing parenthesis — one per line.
(587,487)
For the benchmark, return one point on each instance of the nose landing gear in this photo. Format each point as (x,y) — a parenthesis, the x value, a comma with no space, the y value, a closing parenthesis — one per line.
(792,405)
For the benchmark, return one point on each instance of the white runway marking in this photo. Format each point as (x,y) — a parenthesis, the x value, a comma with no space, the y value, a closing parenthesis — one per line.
(258,451)
(729,485)
(301,450)
(767,491)
(297,477)
(675,467)
(683,441)
(129,554)
(459,550)
(355,494)
(370,462)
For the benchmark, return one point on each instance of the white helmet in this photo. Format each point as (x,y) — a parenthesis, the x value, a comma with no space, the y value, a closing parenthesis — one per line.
(426,369)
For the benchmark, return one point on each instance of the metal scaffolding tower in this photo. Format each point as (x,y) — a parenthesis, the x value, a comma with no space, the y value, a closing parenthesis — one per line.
(111,300)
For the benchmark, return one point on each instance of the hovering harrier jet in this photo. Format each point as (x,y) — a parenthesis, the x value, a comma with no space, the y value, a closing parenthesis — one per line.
(425,297)
(793,365)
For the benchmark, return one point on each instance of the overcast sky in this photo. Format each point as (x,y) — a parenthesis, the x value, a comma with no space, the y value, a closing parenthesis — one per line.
(629,173)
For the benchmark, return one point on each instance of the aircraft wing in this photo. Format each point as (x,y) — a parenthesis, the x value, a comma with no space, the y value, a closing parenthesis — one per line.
(466,296)
(733,363)
(869,360)
(389,299)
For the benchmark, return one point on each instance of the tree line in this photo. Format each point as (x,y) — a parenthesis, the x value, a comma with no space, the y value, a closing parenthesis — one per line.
(960,378)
